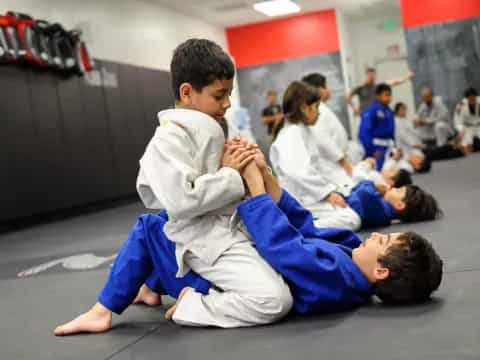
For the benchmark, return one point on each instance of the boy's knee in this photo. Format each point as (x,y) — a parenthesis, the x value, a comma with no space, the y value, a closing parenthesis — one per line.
(277,302)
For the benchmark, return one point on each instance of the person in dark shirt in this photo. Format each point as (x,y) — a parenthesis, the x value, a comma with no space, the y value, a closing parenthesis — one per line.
(272,116)
(366,92)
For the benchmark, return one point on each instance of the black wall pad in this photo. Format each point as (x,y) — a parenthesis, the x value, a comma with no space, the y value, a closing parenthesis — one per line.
(71,141)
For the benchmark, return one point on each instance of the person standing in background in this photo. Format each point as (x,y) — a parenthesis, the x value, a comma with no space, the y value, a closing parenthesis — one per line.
(366,92)
(272,116)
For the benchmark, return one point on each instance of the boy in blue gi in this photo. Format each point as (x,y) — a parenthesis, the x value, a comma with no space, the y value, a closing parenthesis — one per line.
(377,205)
(377,126)
(327,270)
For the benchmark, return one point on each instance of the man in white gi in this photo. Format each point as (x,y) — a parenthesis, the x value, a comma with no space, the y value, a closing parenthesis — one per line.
(432,122)
(467,118)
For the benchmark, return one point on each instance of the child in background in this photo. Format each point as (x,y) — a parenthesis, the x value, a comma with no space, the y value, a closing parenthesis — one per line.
(377,126)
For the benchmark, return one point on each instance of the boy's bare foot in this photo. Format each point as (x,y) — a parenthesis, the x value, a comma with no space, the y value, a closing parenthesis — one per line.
(96,320)
(173,308)
(148,297)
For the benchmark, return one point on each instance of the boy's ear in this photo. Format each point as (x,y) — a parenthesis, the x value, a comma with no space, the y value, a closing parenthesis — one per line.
(381,272)
(185,92)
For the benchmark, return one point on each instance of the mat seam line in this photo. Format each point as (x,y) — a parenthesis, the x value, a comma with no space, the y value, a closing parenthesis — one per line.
(132,343)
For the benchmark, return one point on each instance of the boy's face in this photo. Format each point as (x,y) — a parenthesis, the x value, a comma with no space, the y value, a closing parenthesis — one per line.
(385,97)
(213,99)
(416,161)
(324,93)
(402,111)
(367,255)
(396,197)
(311,113)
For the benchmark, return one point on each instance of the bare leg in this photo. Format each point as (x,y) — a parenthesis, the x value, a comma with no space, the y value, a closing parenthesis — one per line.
(171,310)
(96,320)
(148,297)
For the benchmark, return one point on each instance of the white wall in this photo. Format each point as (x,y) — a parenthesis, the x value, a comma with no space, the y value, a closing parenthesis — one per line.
(346,57)
(127,31)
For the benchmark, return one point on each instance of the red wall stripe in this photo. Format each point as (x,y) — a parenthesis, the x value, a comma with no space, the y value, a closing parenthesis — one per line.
(428,12)
(282,39)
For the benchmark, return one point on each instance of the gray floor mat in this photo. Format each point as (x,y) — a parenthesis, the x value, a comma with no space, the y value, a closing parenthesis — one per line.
(447,328)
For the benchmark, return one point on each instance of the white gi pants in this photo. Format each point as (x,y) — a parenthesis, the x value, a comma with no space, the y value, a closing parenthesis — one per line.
(248,291)
(326,215)
(442,133)
(470,132)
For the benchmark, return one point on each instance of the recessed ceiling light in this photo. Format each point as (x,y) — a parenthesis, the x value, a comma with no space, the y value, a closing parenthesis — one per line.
(276,7)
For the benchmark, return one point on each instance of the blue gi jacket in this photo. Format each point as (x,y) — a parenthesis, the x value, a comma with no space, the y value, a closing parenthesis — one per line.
(370,205)
(377,129)
(316,263)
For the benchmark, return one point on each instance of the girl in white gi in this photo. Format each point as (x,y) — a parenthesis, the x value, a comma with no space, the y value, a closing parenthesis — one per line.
(467,118)
(183,172)
(296,159)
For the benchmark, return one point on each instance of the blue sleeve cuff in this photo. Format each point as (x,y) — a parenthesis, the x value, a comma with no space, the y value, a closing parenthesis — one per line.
(250,204)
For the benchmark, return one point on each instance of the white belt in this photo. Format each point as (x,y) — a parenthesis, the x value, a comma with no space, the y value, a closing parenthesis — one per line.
(383,142)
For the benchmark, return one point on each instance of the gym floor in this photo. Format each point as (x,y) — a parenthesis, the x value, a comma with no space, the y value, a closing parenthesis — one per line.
(53,272)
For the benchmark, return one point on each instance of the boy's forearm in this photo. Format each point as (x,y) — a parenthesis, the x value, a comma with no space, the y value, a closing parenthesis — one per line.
(271,184)
(255,185)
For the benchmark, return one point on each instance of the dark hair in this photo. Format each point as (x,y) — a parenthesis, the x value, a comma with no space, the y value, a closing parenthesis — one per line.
(199,62)
(426,165)
(381,88)
(371,69)
(470,92)
(419,205)
(271,92)
(415,271)
(316,80)
(297,94)
(402,178)
(398,106)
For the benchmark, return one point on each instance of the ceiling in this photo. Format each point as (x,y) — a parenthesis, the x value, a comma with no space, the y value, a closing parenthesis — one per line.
(226,13)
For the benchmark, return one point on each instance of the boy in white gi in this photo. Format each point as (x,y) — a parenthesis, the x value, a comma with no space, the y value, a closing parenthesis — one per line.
(467,118)
(183,172)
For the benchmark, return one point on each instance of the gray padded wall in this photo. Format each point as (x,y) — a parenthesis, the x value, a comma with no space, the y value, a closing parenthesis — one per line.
(66,142)
(254,82)
(445,57)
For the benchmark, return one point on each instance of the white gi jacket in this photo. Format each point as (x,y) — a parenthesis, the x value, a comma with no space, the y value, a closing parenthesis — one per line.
(406,136)
(296,159)
(463,117)
(179,172)
(331,135)
(437,114)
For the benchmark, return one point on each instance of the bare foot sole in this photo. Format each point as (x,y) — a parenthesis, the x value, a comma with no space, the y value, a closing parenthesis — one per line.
(148,297)
(97,320)
(173,308)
